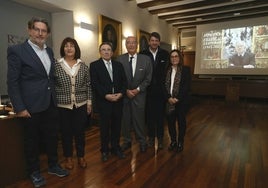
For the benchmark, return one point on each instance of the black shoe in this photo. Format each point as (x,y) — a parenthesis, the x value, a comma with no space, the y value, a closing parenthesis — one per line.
(143,148)
(125,146)
(151,142)
(160,144)
(119,154)
(172,146)
(104,156)
(180,147)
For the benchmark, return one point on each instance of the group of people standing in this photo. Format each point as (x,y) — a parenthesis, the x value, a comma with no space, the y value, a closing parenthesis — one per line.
(134,90)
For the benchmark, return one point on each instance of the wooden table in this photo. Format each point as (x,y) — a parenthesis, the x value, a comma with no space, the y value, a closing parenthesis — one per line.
(12,160)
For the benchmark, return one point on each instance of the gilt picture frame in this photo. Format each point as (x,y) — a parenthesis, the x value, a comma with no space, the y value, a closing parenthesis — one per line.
(110,30)
(143,39)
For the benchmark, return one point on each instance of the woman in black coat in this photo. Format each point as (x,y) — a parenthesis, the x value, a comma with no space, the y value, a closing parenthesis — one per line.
(176,89)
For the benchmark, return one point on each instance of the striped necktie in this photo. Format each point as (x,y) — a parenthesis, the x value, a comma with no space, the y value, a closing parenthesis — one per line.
(109,68)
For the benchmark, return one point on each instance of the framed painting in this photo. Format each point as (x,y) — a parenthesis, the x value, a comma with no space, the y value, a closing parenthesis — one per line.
(110,30)
(143,39)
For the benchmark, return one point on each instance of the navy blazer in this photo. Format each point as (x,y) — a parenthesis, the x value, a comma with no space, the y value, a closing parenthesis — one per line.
(102,84)
(29,86)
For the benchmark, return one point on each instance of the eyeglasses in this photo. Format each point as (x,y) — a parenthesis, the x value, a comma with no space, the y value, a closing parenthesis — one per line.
(42,31)
(69,46)
(131,42)
(106,49)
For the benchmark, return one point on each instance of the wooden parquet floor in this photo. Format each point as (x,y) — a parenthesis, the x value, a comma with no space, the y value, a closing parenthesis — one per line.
(226,146)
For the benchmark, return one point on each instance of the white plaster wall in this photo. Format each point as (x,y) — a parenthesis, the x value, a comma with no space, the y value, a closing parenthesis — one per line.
(126,12)
(65,23)
(62,26)
(13,21)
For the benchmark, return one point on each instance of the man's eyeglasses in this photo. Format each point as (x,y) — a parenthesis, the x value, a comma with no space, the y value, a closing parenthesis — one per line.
(131,42)
(44,31)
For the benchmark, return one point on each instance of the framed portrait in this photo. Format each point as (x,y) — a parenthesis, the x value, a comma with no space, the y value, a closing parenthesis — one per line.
(111,31)
(143,38)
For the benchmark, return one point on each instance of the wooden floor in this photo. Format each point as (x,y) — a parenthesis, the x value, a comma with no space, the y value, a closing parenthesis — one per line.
(226,146)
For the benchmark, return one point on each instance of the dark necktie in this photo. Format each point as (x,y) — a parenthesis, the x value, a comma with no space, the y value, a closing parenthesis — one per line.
(130,66)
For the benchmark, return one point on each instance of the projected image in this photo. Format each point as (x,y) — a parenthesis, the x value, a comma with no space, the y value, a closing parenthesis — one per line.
(243,47)
(237,40)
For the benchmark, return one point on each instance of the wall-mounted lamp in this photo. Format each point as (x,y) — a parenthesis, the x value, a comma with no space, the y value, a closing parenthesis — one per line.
(86,26)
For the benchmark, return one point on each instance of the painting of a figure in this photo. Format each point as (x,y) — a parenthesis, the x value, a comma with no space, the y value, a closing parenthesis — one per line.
(109,35)
(110,31)
(143,38)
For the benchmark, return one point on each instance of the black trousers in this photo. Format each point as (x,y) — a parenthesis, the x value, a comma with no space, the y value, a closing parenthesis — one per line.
(110,128)
(155,113)
(42,127)
(178,117)
(72,124)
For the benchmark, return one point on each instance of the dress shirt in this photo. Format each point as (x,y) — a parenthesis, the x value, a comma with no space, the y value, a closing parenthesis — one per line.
(173,73)
(241,55)
(154,53)
(42,54)
(71,70)
(134,62)
(106,64)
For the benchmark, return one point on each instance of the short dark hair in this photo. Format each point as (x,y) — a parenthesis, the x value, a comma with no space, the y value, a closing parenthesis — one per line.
(38,19)
(106,43)
(155,34)
(77,53)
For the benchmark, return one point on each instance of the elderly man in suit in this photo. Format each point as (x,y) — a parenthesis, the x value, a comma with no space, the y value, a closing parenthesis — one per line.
(30,80)
(138,69)
(108,82)
(242,58)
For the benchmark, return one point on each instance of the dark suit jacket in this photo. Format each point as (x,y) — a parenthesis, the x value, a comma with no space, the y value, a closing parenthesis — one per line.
(102,84)
(142,76)
(238,61)
(159,66)
(29,86)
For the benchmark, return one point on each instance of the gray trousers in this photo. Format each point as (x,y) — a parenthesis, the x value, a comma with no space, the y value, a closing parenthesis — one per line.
(133,118)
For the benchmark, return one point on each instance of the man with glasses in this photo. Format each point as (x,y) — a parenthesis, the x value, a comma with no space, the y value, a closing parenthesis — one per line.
(30,80)
(108,81)
(242,58)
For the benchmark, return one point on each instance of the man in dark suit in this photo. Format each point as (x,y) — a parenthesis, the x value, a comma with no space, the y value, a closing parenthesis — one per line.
(108,82)
(155,104)
(139,72)
(30,80)
(242,58)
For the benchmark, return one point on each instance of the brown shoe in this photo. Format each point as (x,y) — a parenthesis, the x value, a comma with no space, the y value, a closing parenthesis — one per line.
(82,162)
(69,163)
